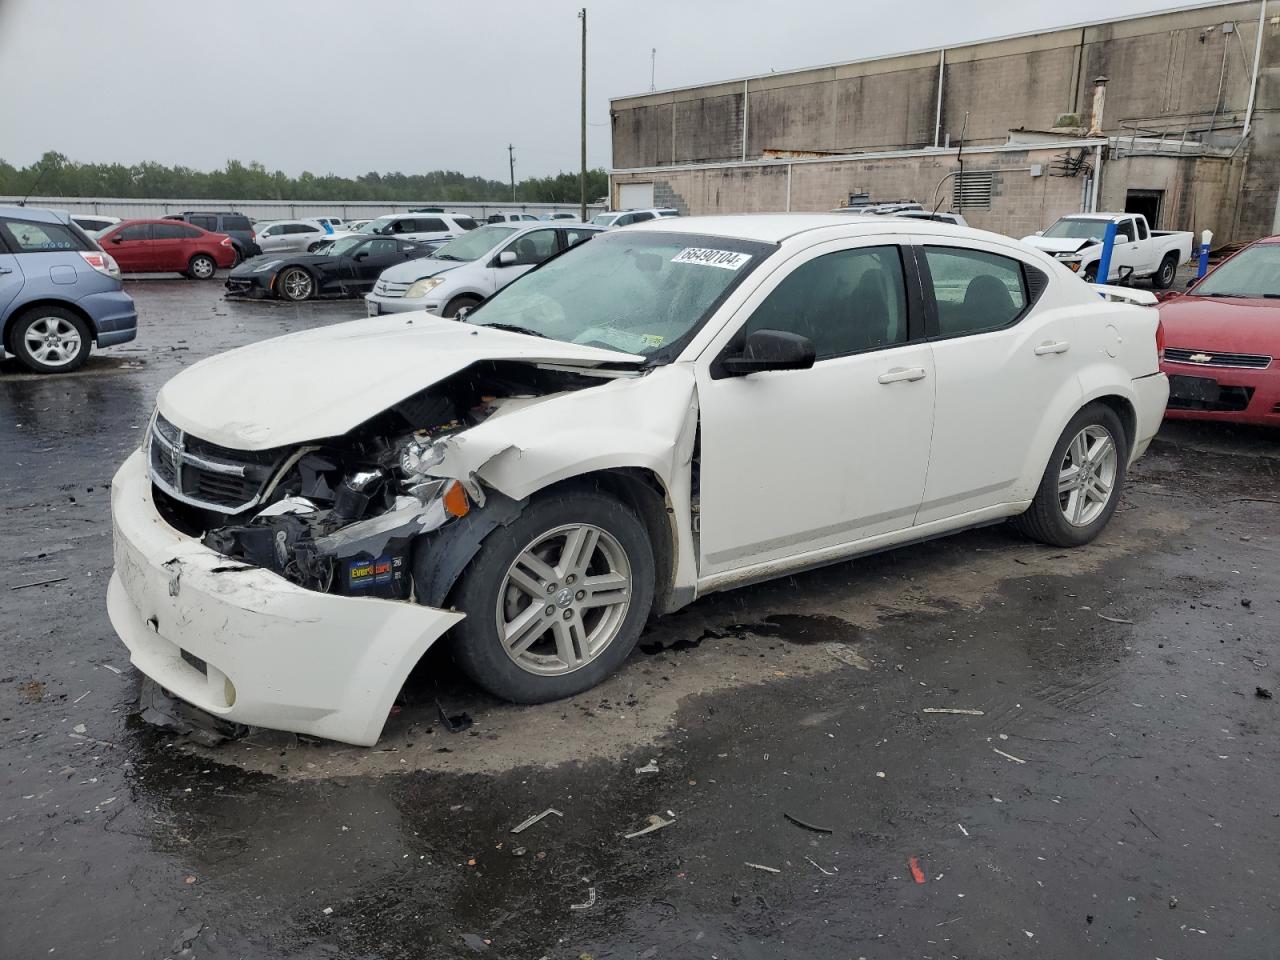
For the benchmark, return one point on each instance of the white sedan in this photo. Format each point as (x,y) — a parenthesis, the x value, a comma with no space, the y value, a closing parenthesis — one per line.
(667,411)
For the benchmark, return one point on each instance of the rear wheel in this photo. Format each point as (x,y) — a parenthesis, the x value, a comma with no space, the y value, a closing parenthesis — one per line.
(459,303)
(555,602)
(1081,485)
(51,340)
(201,267)
(295,284)
(1163,278)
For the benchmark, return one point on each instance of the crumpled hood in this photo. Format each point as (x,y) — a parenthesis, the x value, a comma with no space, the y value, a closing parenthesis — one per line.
(423,267)
(248,267)
(1056,245)
(324,382)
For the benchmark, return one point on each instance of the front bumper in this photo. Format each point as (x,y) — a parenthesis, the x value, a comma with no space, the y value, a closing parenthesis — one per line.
(375,305)
(1243,395)
(245,644)
(253,284)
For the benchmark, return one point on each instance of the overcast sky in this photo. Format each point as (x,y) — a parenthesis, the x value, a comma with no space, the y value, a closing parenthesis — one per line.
(348,86)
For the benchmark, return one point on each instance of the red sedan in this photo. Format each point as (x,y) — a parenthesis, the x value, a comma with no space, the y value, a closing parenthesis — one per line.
(162,246)
(1222,338)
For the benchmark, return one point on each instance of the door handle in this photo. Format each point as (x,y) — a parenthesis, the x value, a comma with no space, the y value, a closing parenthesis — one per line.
(898,374)
(6,270)
(1052,346)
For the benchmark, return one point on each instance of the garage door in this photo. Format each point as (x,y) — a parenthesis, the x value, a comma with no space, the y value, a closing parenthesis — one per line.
(635,196)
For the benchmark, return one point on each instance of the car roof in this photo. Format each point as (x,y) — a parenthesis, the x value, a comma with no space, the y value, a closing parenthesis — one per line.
(37,214)
(777,227)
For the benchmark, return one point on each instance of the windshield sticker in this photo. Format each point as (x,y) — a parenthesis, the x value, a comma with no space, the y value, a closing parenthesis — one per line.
(724,259)
(652,339)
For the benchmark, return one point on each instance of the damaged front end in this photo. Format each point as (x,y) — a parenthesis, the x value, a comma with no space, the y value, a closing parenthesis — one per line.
(346,515)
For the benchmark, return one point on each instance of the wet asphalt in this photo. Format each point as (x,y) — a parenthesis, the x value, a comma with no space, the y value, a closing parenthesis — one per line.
(1115,797)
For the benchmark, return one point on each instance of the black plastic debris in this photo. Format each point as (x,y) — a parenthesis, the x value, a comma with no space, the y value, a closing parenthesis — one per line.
(169,713)
(1262,693)
(455,723)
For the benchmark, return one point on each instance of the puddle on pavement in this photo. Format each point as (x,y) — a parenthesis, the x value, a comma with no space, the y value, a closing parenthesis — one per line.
(826,620)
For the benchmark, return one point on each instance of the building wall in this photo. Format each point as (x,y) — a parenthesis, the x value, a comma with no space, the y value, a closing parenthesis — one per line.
(1181,74)
(1197,189)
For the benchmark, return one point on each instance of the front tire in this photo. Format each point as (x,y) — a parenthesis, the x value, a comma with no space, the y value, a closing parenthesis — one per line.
(459,303)
(201,267)
(51,340)
(1163,278)
(1081,485)
(295,284)
(555,602)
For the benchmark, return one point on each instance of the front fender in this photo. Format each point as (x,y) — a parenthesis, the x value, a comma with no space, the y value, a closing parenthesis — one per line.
(648,422)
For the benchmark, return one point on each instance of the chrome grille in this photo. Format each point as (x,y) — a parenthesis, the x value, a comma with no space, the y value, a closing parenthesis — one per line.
(389,288)
(204,474)
(1216,358)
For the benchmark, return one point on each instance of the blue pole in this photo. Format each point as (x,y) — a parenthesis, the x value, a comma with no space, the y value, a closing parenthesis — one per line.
(1203,267)
(1108,243)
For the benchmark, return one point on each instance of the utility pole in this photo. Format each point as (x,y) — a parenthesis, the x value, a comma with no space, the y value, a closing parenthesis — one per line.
(511,160)
(582,177)
(653,68)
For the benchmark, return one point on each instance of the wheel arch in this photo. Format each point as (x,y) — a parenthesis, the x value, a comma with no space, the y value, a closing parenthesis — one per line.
(315,279)
(21,309)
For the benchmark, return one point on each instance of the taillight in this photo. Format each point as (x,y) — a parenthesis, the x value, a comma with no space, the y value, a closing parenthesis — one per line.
(1160,340)
(102,262)
(226,241)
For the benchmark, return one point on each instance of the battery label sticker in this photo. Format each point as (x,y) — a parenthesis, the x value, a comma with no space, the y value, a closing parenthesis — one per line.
(724,259)
(367,574)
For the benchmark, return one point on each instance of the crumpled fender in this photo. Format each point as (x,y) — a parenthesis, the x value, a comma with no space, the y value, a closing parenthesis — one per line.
(647,422)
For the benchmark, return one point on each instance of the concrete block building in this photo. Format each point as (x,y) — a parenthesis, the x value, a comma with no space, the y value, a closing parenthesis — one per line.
(1175,115)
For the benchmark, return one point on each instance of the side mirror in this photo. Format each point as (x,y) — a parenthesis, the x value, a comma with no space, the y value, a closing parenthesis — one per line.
(771,350)
(462,314)
(1126,274)
(507,258)
(117,239)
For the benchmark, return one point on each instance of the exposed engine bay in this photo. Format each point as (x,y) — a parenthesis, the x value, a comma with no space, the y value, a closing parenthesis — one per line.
(343,515)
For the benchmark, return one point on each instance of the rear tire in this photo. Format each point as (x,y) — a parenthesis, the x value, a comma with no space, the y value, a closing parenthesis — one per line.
(1081,485)
(589,560)
(201,267)
(51,340)
(295,284)
(1163,278)
(459,303)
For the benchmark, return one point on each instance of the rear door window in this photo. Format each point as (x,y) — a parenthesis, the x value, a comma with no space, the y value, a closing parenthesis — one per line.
(27,236)
(204,221)
(975,291)
(173,231)
(233,223)
(574,237)
(466,223)
(432,225)
(135,231)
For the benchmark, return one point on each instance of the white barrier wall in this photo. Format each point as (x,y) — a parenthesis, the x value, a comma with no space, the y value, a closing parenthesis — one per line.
(128,208)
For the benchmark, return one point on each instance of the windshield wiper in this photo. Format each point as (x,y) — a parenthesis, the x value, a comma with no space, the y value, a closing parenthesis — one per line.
(514,329)
(1239,296)
(445,256)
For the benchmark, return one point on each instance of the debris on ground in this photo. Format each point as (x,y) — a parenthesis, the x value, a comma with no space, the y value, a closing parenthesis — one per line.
(916,873)
(807,825)
(187,938)
(1103,616)
(1262,693)
(31,691)
(176,716)
(650,767)
(1009,756)
(826,873)
(525,825)
(847,655)
(518,851)
(962,711)
(761,866)
(655,823)
(80,728)
(116,670)
(588,903)
(962,829)
(38,583)
(475,942)
(455,723)
(327,911)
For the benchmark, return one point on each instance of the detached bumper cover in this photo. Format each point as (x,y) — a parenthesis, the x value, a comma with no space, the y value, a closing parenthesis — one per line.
(245,644)
(1152,395)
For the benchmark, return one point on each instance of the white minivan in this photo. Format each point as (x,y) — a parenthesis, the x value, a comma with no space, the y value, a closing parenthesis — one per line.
(466,271)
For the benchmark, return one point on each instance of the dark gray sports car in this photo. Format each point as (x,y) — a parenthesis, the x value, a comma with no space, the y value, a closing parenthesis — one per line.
(345,267)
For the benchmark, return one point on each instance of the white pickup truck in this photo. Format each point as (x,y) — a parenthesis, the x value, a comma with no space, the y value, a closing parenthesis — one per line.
(1076,241)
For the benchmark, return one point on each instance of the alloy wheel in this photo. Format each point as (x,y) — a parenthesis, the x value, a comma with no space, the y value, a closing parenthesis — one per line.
(564,599)
(203,268)
(297,284)
(1087,475)
(53,341)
